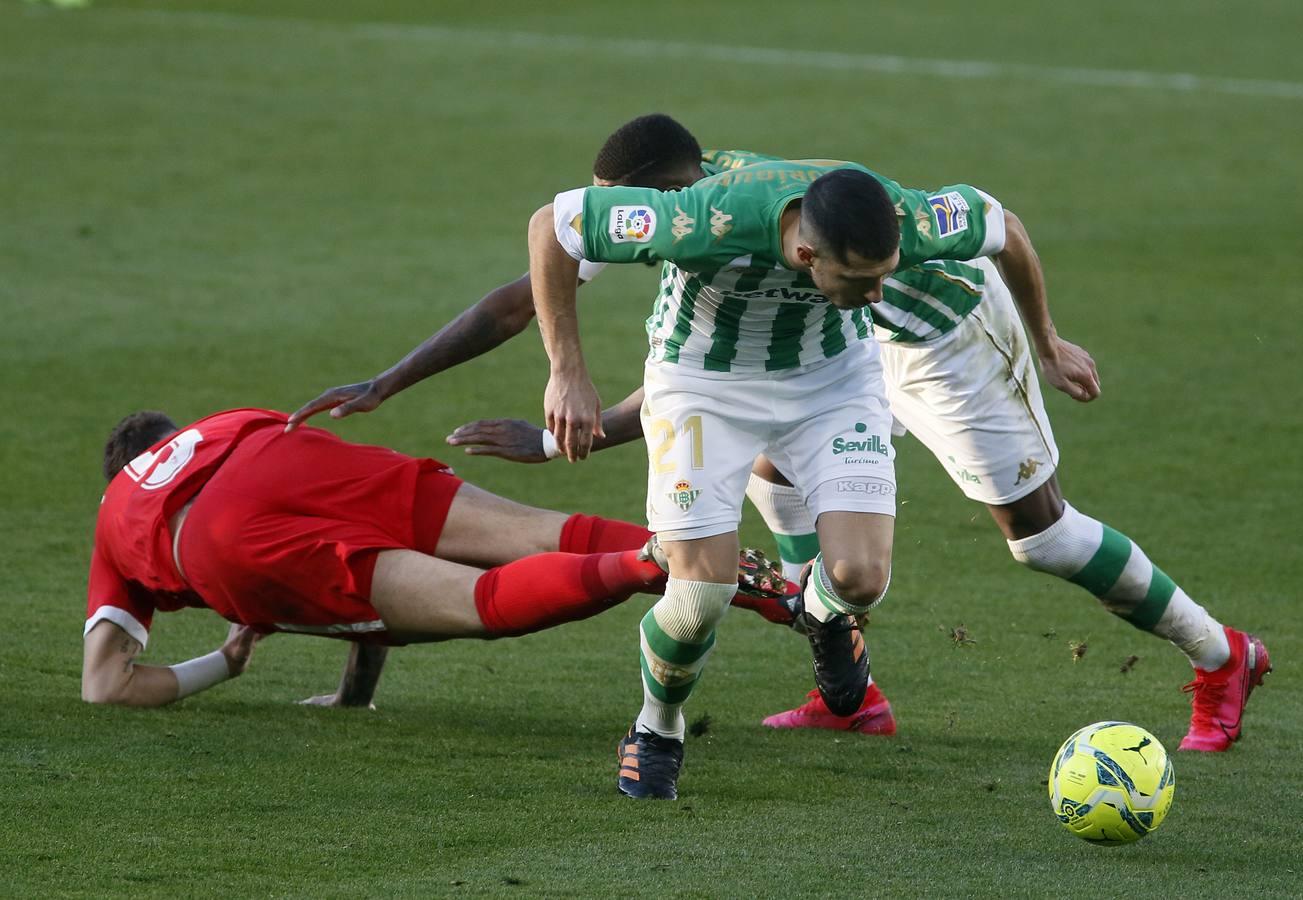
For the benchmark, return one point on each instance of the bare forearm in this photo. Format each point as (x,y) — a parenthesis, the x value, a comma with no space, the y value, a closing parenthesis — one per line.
(362,673)
(498,316)
(1022,272)
(621,422)
(109,673)
(134,686)
(149,686)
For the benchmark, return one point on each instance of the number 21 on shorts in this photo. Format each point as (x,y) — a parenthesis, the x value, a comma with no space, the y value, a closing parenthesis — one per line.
(661,437)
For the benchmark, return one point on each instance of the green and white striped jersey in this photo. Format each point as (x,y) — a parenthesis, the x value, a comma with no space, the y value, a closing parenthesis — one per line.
(918,304)
(729,302)
(926,301)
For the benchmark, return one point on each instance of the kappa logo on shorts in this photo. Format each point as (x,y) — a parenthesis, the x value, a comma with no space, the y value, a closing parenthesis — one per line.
(684,495)
(866,486)
(1027,469)
(632,224)
(951,210)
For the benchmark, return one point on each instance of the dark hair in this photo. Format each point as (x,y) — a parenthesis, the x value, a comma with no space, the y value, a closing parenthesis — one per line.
(133,436)
(647,148)
(847,211)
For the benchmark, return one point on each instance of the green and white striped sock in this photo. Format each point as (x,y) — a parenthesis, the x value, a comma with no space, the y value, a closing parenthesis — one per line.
(677,635)
(1111,566)
(788,520)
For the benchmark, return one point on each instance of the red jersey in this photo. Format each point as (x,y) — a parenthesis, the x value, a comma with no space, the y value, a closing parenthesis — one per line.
(133,571)
(283,533)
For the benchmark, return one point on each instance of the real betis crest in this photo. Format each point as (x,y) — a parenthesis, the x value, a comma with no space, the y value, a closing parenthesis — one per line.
(684,495)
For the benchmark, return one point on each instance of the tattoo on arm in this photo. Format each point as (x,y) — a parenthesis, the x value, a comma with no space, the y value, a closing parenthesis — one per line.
(362,674)
(128,650)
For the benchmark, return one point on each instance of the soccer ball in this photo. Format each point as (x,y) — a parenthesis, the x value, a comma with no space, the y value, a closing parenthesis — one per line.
(1111,783)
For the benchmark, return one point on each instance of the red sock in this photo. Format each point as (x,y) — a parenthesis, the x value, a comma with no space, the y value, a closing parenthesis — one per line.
(775,609)
(593,534)
(548,589)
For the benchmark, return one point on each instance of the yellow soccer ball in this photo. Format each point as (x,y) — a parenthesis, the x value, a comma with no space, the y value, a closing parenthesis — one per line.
(1111,783)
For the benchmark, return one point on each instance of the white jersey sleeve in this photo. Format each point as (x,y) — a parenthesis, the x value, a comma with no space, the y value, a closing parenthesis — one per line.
(590,270)
(995,236)
(567,215)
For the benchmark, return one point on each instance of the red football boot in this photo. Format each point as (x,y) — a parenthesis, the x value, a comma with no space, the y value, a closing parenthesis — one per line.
(873,717)
(1218,697)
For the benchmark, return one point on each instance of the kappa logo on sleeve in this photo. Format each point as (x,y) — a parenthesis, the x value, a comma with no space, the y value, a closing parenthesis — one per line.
(951,210)
(632,224)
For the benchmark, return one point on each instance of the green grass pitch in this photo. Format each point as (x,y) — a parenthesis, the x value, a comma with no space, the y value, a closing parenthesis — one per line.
(206,205)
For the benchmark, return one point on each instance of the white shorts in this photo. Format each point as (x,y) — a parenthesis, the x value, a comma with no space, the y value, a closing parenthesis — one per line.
(827,427)
(972,397)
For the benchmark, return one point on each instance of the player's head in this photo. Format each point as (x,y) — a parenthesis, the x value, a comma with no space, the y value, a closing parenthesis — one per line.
(133,436)
(849,237)
(651,151)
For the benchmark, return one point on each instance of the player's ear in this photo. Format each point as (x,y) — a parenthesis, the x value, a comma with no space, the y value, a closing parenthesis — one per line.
(805,254)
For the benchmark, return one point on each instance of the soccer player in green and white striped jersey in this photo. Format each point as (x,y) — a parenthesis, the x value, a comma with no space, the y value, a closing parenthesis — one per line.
(757,344)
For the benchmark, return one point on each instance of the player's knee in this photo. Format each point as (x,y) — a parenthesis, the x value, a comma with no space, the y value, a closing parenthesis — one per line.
(689,623)
(690,610)
(1063,549)
(859,582)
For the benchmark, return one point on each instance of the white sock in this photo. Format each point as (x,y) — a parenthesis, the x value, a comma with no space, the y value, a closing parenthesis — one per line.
(1198,635)
(792,571)
(1111,566)
(677,635)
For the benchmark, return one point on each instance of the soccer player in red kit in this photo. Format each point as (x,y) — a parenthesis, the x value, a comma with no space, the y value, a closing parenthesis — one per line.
(305,532)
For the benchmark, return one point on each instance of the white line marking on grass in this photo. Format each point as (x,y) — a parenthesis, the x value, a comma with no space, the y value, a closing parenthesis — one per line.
(1184,82)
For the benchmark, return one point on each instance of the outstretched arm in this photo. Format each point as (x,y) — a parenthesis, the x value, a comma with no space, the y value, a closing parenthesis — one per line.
(521,441)
(109,673)
(1065,365)
(497,317)
(571,407)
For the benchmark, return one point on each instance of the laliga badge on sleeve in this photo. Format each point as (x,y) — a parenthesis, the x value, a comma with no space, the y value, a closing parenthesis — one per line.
(632,224)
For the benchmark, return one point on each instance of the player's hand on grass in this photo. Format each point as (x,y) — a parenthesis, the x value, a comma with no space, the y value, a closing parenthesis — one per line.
(239,647)
(1072,371)
(573,413)
(341,401)
(513,439)
(331,700)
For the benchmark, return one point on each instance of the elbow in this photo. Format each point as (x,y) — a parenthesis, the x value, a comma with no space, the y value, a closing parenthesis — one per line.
(104,691)
(517,309)
(516,321)
(100,695)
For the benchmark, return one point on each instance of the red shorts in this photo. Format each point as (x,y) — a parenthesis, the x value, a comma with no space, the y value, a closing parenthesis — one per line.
(285,535)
